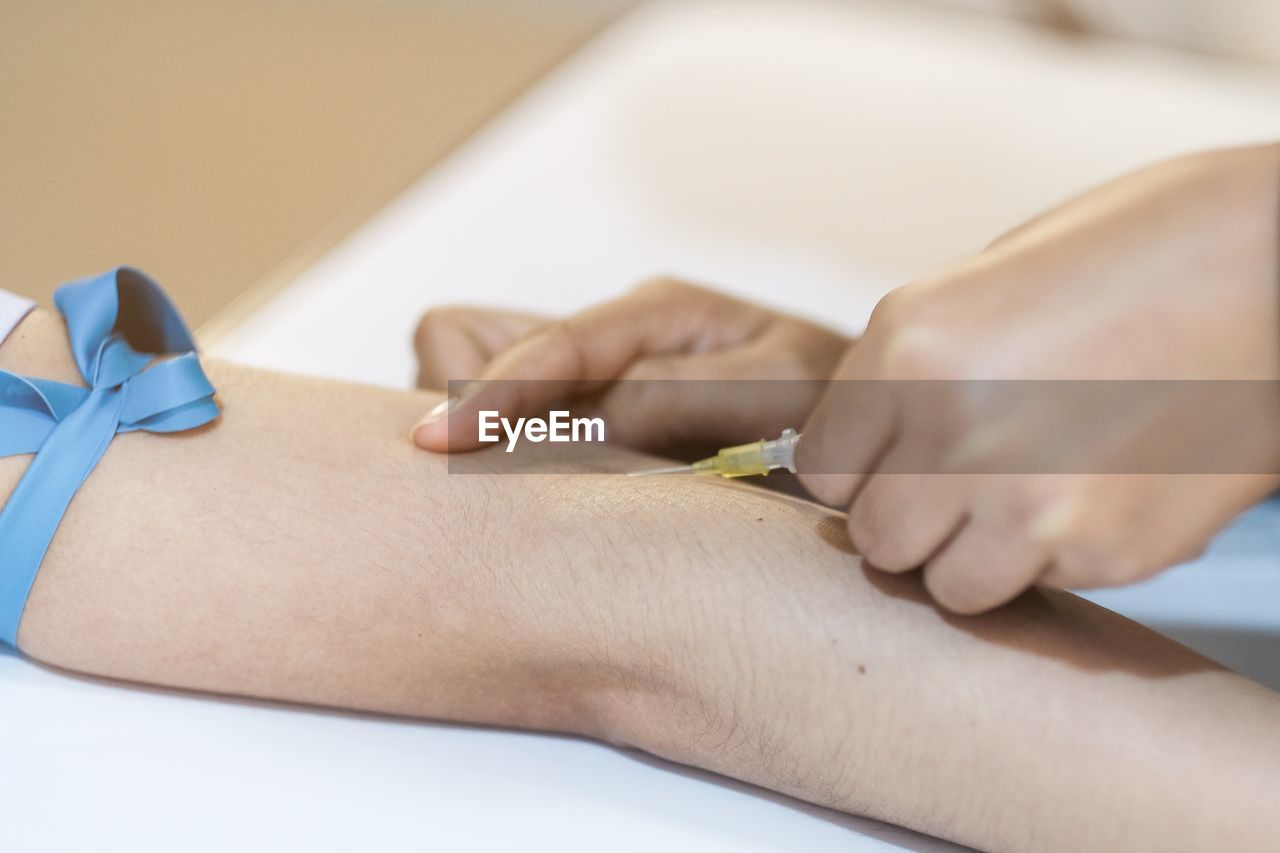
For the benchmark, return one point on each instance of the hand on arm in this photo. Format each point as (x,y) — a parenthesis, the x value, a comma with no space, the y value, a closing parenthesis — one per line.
(662,330)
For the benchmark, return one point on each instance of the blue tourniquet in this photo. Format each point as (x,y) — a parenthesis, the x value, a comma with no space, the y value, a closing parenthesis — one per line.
(118,323)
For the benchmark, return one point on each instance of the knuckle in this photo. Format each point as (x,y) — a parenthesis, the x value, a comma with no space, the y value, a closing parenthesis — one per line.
(422,332)
(643,375)
(890,306)
(918,350)
(436,319)
(562,336)
(558,350)
(665,286)
(1025,506)
(1057,519)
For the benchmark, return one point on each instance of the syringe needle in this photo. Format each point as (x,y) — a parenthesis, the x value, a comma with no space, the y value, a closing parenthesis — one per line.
(674,469)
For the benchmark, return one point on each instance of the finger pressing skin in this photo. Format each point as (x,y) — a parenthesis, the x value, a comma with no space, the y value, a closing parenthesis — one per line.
(982,568)
(898,521)
(581,354)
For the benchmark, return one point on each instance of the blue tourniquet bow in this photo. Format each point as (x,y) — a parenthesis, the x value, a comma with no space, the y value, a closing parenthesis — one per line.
(118,323)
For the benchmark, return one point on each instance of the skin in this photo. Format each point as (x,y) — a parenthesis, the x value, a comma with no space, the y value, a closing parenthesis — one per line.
(633,361)
(1169,273)
(716,625)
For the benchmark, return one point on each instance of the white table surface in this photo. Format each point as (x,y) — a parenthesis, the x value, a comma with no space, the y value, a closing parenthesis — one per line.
(807,154)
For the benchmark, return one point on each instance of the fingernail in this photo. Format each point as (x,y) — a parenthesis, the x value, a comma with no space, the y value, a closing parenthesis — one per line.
(444,407)
(448,405)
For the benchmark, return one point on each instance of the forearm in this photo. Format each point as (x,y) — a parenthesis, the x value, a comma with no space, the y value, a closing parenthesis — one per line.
(301,550)
(1049,724)
(256,556)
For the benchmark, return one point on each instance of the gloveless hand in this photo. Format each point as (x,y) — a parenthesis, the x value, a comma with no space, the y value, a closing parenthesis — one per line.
(658,363)
(1167,274)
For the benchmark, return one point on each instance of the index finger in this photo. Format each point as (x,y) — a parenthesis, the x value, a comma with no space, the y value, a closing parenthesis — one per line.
(581,354)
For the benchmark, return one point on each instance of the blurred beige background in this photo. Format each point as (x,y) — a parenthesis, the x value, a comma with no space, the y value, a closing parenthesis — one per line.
(210,143)
(218,145)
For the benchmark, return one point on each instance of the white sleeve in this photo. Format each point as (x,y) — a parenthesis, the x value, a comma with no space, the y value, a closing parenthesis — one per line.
(12,309)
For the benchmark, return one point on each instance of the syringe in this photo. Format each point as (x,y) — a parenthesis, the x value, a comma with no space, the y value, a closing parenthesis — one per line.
(745,460)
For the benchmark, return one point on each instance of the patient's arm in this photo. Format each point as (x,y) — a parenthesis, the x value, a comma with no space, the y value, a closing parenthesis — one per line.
(302,549)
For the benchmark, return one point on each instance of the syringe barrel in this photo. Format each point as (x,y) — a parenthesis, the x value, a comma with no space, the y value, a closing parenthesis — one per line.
(745,460)
(754,459)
